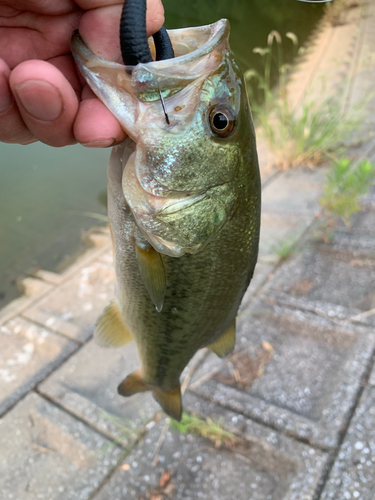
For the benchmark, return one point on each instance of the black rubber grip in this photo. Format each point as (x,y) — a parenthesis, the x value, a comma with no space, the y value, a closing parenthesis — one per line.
(133,36)
(163,45)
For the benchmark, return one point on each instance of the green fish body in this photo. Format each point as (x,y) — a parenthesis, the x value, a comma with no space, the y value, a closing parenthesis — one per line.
(183,205)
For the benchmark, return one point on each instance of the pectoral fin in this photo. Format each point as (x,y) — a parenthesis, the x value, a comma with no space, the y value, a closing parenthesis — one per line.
(152,271)
(110,330)
(224,344)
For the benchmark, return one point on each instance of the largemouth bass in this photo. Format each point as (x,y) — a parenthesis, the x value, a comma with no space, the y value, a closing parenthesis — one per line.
(183,204)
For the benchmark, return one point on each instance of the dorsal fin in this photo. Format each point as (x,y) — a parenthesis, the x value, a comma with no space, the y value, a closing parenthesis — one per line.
(152,271)
(110,330)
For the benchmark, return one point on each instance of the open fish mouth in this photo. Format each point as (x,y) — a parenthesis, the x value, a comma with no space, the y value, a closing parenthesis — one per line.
(123,89)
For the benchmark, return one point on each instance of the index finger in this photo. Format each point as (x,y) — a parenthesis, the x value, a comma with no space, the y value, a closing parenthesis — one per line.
(99,27)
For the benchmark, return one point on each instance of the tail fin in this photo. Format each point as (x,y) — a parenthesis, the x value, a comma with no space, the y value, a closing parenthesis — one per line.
(170,401)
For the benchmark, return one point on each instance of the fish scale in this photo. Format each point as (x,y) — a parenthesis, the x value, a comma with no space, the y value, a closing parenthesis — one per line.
(183,206)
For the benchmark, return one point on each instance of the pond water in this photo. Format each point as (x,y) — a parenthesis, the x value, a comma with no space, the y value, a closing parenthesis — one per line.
(49,197)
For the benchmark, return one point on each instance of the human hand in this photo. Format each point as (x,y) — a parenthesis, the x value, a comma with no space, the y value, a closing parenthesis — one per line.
(41,95)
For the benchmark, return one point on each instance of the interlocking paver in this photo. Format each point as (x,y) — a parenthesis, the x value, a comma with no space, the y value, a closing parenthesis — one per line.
(73,307)
(292,370)
(260,465)
(277,231)
(86,386)
(352,476)
(358,237)
(294,191)
(47,454)
(337,283)
(28,354)
(33,290)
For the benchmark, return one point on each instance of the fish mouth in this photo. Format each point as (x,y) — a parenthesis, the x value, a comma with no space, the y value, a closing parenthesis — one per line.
(198,52)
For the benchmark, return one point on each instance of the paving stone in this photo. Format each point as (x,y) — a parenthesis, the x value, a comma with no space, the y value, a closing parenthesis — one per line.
(335,284)
(292,370)
(352,475)
(73,307)
(261,464)
(294,191)
(265,158)
(107,257)
(34,289)
(279,232)
(86,385)
(47,454)
(28,354)
(50,277)
(362,82)
(358,237)
(10,278)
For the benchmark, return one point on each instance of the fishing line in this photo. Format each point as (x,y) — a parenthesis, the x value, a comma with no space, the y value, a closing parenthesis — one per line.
(163,105)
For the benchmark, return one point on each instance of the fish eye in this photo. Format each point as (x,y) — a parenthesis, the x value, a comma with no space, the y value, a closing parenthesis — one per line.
(222,121)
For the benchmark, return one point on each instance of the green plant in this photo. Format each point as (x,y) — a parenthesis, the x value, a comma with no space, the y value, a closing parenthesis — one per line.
(125,428)
(307,134)
(205,428)
(285,248)
(345,183)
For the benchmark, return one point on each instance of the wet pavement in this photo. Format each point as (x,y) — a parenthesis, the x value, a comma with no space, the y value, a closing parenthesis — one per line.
(295,400)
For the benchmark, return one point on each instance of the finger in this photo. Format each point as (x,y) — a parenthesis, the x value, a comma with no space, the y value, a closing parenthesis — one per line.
(12,127)
(66,65)
(95,126)
(46,100)
(100,28)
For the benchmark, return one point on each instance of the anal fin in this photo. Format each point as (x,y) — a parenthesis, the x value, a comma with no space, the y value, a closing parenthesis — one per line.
(152,271)
(132,385)
(110,330)
(225,343)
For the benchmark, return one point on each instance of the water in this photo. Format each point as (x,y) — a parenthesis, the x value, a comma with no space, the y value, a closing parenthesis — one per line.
(251,22)
(45,192)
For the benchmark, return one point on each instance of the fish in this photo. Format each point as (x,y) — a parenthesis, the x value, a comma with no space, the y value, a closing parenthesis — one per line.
(183,204)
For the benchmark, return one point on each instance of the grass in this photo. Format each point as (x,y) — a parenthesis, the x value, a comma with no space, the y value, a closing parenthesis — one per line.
(345,183)
(209,429)
(307,135)
(285,248)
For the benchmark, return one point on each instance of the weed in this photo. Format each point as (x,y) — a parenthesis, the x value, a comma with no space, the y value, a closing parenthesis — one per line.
(307,135)
(122,427)
(205,428)
(285,248)
(345,183)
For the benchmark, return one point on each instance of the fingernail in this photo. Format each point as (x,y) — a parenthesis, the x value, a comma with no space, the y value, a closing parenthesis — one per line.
(105,143)
(5,95)
(40,99)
